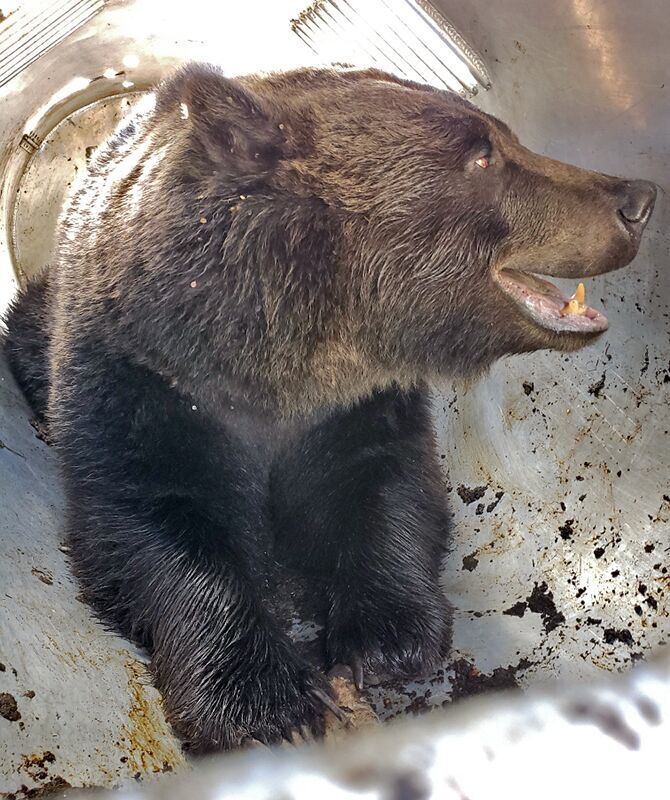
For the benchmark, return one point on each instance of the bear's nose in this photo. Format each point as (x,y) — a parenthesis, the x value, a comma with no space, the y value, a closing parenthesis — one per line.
(638,202)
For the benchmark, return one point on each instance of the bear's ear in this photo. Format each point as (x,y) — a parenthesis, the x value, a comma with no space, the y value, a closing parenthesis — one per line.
(232,125)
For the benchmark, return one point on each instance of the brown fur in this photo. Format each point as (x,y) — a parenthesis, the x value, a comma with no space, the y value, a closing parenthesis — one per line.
(371,180)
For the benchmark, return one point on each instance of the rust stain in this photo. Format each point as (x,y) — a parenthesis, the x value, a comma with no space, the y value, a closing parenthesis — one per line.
(73,657)
(36,765)
(515,411)
(505,537)
(583,432)
(43,574)
(150,744)
(635,432)
(605,662)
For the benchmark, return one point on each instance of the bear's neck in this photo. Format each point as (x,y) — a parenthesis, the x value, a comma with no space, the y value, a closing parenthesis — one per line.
(295,380)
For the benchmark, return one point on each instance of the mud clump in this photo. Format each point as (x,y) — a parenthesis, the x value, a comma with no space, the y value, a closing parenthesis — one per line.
(8,707)
(612,635)
(566,530)
(598,386)
(43,575)
(468,680)
(37,761)
(41,432)
(517,610)
(470,562)
(541,601)
(491,506)
(470,495)
(52,788)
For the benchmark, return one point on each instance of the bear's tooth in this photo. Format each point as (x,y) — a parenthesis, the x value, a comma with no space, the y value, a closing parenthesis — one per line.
(575,304)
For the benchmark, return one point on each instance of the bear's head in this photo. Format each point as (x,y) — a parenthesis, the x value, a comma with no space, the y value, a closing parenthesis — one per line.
(439,220)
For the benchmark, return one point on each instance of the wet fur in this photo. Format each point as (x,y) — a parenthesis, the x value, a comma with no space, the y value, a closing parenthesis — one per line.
(231,353)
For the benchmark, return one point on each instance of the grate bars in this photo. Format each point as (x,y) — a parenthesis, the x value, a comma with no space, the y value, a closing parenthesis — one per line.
(407,37)
(35,27)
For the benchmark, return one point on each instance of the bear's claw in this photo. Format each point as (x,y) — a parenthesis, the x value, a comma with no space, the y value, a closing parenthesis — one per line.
(357,670)
(328,702)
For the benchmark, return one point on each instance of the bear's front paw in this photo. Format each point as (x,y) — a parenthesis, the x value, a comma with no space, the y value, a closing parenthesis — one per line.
(398,636)
(250,704)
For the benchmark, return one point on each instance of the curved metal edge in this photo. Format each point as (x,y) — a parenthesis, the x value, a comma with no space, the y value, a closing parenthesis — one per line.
(35,131)
(473,58)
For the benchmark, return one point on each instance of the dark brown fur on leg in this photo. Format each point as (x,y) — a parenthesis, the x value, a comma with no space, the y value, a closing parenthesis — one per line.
(169,538)
(360,502)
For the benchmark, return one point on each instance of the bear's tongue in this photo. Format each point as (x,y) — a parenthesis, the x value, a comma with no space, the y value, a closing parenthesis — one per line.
(546,304)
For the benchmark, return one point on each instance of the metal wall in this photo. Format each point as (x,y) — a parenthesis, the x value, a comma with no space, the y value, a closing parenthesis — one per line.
(557,465)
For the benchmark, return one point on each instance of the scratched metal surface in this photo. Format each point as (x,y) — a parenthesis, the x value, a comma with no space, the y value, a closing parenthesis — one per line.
(556,466)
(76,706)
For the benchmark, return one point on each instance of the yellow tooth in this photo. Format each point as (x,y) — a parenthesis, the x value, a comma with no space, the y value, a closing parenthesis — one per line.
(575,304)
(572,307)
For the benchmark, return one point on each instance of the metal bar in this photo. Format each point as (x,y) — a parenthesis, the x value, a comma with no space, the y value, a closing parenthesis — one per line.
(425,10)
(27,51)
(25,17)
(413,33)
(41,25)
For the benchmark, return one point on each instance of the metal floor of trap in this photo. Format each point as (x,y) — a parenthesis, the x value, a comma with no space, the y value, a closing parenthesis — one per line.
(556,466)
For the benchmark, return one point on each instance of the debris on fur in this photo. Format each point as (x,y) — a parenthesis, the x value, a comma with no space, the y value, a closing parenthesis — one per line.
(359,713)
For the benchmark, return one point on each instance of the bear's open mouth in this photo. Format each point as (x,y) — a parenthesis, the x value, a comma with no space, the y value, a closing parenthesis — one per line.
(548,307)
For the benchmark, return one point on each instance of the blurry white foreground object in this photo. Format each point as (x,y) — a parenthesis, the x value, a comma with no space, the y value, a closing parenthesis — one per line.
(605,740)
(406,37)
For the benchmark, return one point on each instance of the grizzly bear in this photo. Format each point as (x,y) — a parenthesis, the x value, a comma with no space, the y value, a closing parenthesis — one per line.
(253,286)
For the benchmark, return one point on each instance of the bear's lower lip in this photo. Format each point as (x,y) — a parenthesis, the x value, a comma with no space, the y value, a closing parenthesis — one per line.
(544,303)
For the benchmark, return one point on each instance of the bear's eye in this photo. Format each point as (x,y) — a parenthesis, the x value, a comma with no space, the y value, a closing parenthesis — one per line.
(483,162)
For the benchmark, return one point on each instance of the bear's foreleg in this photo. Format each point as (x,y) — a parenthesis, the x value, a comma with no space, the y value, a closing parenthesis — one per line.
(167,527)
(361,502)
